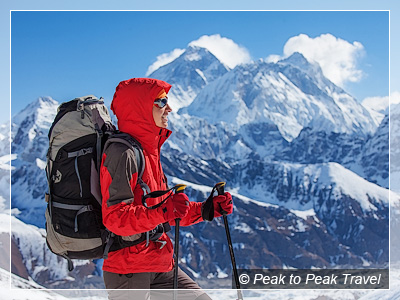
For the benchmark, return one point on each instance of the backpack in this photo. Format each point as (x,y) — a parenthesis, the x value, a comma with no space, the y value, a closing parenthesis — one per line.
(81,131)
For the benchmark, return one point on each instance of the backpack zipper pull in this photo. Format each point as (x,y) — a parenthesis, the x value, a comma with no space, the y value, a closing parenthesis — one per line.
(81,108)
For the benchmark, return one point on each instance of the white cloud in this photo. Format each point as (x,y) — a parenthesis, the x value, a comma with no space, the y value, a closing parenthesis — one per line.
(338,58)
(226,50)
(164,59)
(273,58)
(395,97)
(381,104)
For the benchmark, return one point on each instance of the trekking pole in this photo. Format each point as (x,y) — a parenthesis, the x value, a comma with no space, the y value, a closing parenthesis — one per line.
(179,188)
(220,189)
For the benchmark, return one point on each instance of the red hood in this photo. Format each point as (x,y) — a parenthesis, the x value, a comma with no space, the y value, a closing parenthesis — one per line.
(133,106)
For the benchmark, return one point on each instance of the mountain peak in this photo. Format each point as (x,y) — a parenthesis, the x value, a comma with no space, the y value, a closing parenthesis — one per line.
(311,68)
(195,48)
(298,60)
(189,73)
(197,53)
(42,106)
(292,94)
(41,103)
(46,100)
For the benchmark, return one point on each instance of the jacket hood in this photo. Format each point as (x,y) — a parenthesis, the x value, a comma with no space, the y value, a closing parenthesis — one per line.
(133,106)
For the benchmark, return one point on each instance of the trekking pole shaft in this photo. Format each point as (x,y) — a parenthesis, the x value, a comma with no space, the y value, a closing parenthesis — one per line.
(235,272)
(176,253)
(176,248)
(178,189)
(220,190)
(228,236)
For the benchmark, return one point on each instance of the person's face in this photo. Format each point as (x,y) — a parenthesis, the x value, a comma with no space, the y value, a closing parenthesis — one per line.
(160,114)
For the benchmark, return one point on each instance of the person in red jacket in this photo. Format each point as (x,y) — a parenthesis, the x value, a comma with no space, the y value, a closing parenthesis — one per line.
(141,107)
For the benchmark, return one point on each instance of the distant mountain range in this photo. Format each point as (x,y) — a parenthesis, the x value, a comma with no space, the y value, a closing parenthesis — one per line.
(307,164)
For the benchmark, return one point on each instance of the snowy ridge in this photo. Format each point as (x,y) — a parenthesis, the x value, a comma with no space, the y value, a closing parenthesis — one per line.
(29,146)
(42,108)
(311,178)
(395,147)
(31,240)
(331,211)
(39,262)
(5,138)
(282,95)
(21,289)
(307,180)
(30,127)
(189,73)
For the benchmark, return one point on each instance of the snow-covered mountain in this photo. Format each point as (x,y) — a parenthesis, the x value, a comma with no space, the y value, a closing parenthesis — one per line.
(306,163)
(29,131)
(32,260)
(367,156)
(395,148)
(328,228)
(284,111)
(282,94)
(189,74)
(5,166)
(395,181)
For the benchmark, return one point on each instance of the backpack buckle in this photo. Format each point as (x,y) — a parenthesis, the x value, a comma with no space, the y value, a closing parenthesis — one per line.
(147,238)
(163,243)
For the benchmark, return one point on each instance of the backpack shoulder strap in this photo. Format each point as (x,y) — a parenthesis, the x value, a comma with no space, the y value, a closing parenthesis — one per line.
(132,143)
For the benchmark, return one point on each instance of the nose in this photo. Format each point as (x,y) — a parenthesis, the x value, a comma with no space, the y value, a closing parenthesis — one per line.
(168,108)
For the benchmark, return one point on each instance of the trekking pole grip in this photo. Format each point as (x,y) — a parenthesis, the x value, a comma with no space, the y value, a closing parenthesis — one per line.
(220,187)
(179,188)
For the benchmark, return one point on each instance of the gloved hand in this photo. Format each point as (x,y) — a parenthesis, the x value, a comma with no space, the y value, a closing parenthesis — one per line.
(223,202)
(177,206)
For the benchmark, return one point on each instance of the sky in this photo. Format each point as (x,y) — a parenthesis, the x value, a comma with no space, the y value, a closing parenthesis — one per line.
(170,32)
(65,54)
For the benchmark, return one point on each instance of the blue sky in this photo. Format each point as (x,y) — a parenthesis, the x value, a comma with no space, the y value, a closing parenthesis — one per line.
(68,54)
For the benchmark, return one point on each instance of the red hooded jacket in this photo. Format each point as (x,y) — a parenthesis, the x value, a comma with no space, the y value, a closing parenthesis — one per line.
(123,212)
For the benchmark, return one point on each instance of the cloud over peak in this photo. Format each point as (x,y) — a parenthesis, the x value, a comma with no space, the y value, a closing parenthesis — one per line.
(226,50)
(164,59)
(337,58)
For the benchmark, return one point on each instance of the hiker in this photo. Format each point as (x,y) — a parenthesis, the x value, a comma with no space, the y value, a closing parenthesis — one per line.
(141,107)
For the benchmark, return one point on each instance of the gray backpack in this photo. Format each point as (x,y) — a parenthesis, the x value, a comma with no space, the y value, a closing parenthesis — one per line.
(73,216)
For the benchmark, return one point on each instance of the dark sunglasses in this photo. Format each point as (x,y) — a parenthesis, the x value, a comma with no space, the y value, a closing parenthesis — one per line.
(161,102)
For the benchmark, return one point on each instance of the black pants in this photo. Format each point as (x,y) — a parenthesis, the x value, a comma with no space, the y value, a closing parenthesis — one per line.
(143,286)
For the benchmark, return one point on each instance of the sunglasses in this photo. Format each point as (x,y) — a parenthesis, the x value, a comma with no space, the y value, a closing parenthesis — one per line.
(161,102)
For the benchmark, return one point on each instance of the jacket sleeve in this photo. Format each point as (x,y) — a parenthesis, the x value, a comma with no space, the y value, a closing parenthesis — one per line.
(118,176)
(193,216)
